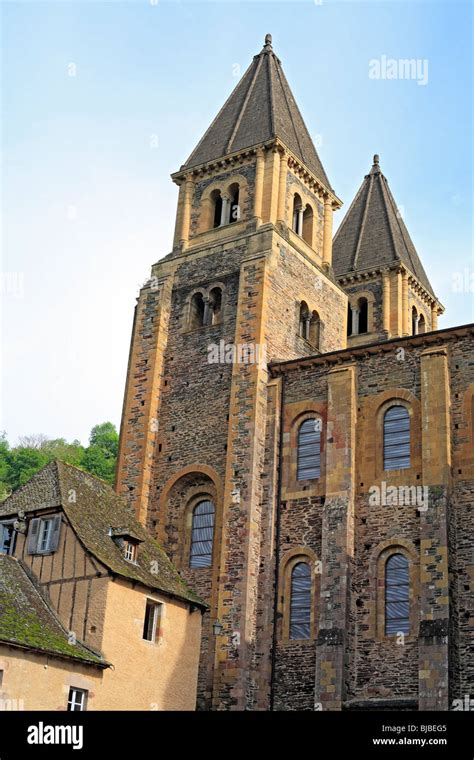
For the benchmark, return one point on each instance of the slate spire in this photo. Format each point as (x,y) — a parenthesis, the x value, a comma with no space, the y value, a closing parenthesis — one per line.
(260,108)
(373,233)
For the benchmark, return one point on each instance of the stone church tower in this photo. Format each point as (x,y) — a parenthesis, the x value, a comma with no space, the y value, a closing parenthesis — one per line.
(247,325)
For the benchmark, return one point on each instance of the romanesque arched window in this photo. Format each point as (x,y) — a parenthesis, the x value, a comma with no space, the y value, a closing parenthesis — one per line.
(202,534)
(297,219)
(396,438)
(397,595)
(414,321)
(304,318)
(196,314)
(215,306)
(315,330)
(234,211)
(308,221)
(300,601)
(309,450)
(216,201)
(363,315)
(421,324)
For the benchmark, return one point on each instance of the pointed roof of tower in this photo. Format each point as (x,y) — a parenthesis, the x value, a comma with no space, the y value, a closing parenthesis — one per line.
(261,107)
(373,233)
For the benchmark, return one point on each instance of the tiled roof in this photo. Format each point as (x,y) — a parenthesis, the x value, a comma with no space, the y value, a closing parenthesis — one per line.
(373,233)
(27,620)
(93,508)
(260,108)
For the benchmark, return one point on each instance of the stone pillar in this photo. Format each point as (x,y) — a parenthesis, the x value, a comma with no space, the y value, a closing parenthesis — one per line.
(434,317)
(327,233)
(355,320)
(186,218)
(405,303)
(259,173)
(434,579)
(225,211)
(281,217)
(386,303)
(299,223)
(337,547)
(207,312)
(416,319)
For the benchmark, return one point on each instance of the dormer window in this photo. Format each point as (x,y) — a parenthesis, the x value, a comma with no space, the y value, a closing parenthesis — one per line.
(7,538)
(130,551)
(43,534)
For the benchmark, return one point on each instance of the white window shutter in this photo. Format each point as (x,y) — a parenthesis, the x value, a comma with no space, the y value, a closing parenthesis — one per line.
(33,535)
(55,532)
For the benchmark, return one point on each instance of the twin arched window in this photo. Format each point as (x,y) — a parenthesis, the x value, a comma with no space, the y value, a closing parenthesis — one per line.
(300,601)
(205,310)
(309,450)
(358,317)
(396,438)
(397,595)
(202,534)
(303,219)
(226,208)
(309,325)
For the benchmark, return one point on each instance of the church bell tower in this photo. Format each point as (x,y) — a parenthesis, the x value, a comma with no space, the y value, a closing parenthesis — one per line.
(249,281)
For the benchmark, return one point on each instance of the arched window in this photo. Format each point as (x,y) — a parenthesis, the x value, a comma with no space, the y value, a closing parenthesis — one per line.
(304,319)
(396,438)
(216,199)
(300,602)
(349,319)
(363,315)
(202,534)
(196,314)
(414,321)
(397,595)
(421,324)
(297,214)
(234,214)
(315,330)
(215,305)
(307,231)
(309,450)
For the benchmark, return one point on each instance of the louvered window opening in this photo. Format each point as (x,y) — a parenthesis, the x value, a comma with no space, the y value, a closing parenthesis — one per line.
(396,438)
(202,533)
(397,595)
(300,602)
(309,450)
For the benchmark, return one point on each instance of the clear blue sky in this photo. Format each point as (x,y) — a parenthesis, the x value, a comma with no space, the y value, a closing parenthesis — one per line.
(87,200)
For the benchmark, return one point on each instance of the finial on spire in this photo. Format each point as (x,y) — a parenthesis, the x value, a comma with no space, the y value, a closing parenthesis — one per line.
(376,159)
(268,42)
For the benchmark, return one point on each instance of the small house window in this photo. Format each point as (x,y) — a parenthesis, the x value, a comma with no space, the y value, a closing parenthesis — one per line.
(43,535)
(130,551)
(202,534)
(396,438)
(397,595)
(309,450)
(300,602)
(7,538)
(77,701)
(152,618)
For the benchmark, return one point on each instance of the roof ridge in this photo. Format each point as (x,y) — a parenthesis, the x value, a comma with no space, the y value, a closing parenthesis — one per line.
(362,222)
(244,105)
(272,96)
(282,83)
(386,198)
(392,202)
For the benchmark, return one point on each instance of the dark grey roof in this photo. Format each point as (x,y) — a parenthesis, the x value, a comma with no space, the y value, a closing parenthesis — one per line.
(94,510)
(260,108)
(373,233)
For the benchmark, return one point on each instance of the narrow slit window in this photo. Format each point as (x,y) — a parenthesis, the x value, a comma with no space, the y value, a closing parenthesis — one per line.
(300,602)
(396,438)
(202,534)
(309,450)
(397,595)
